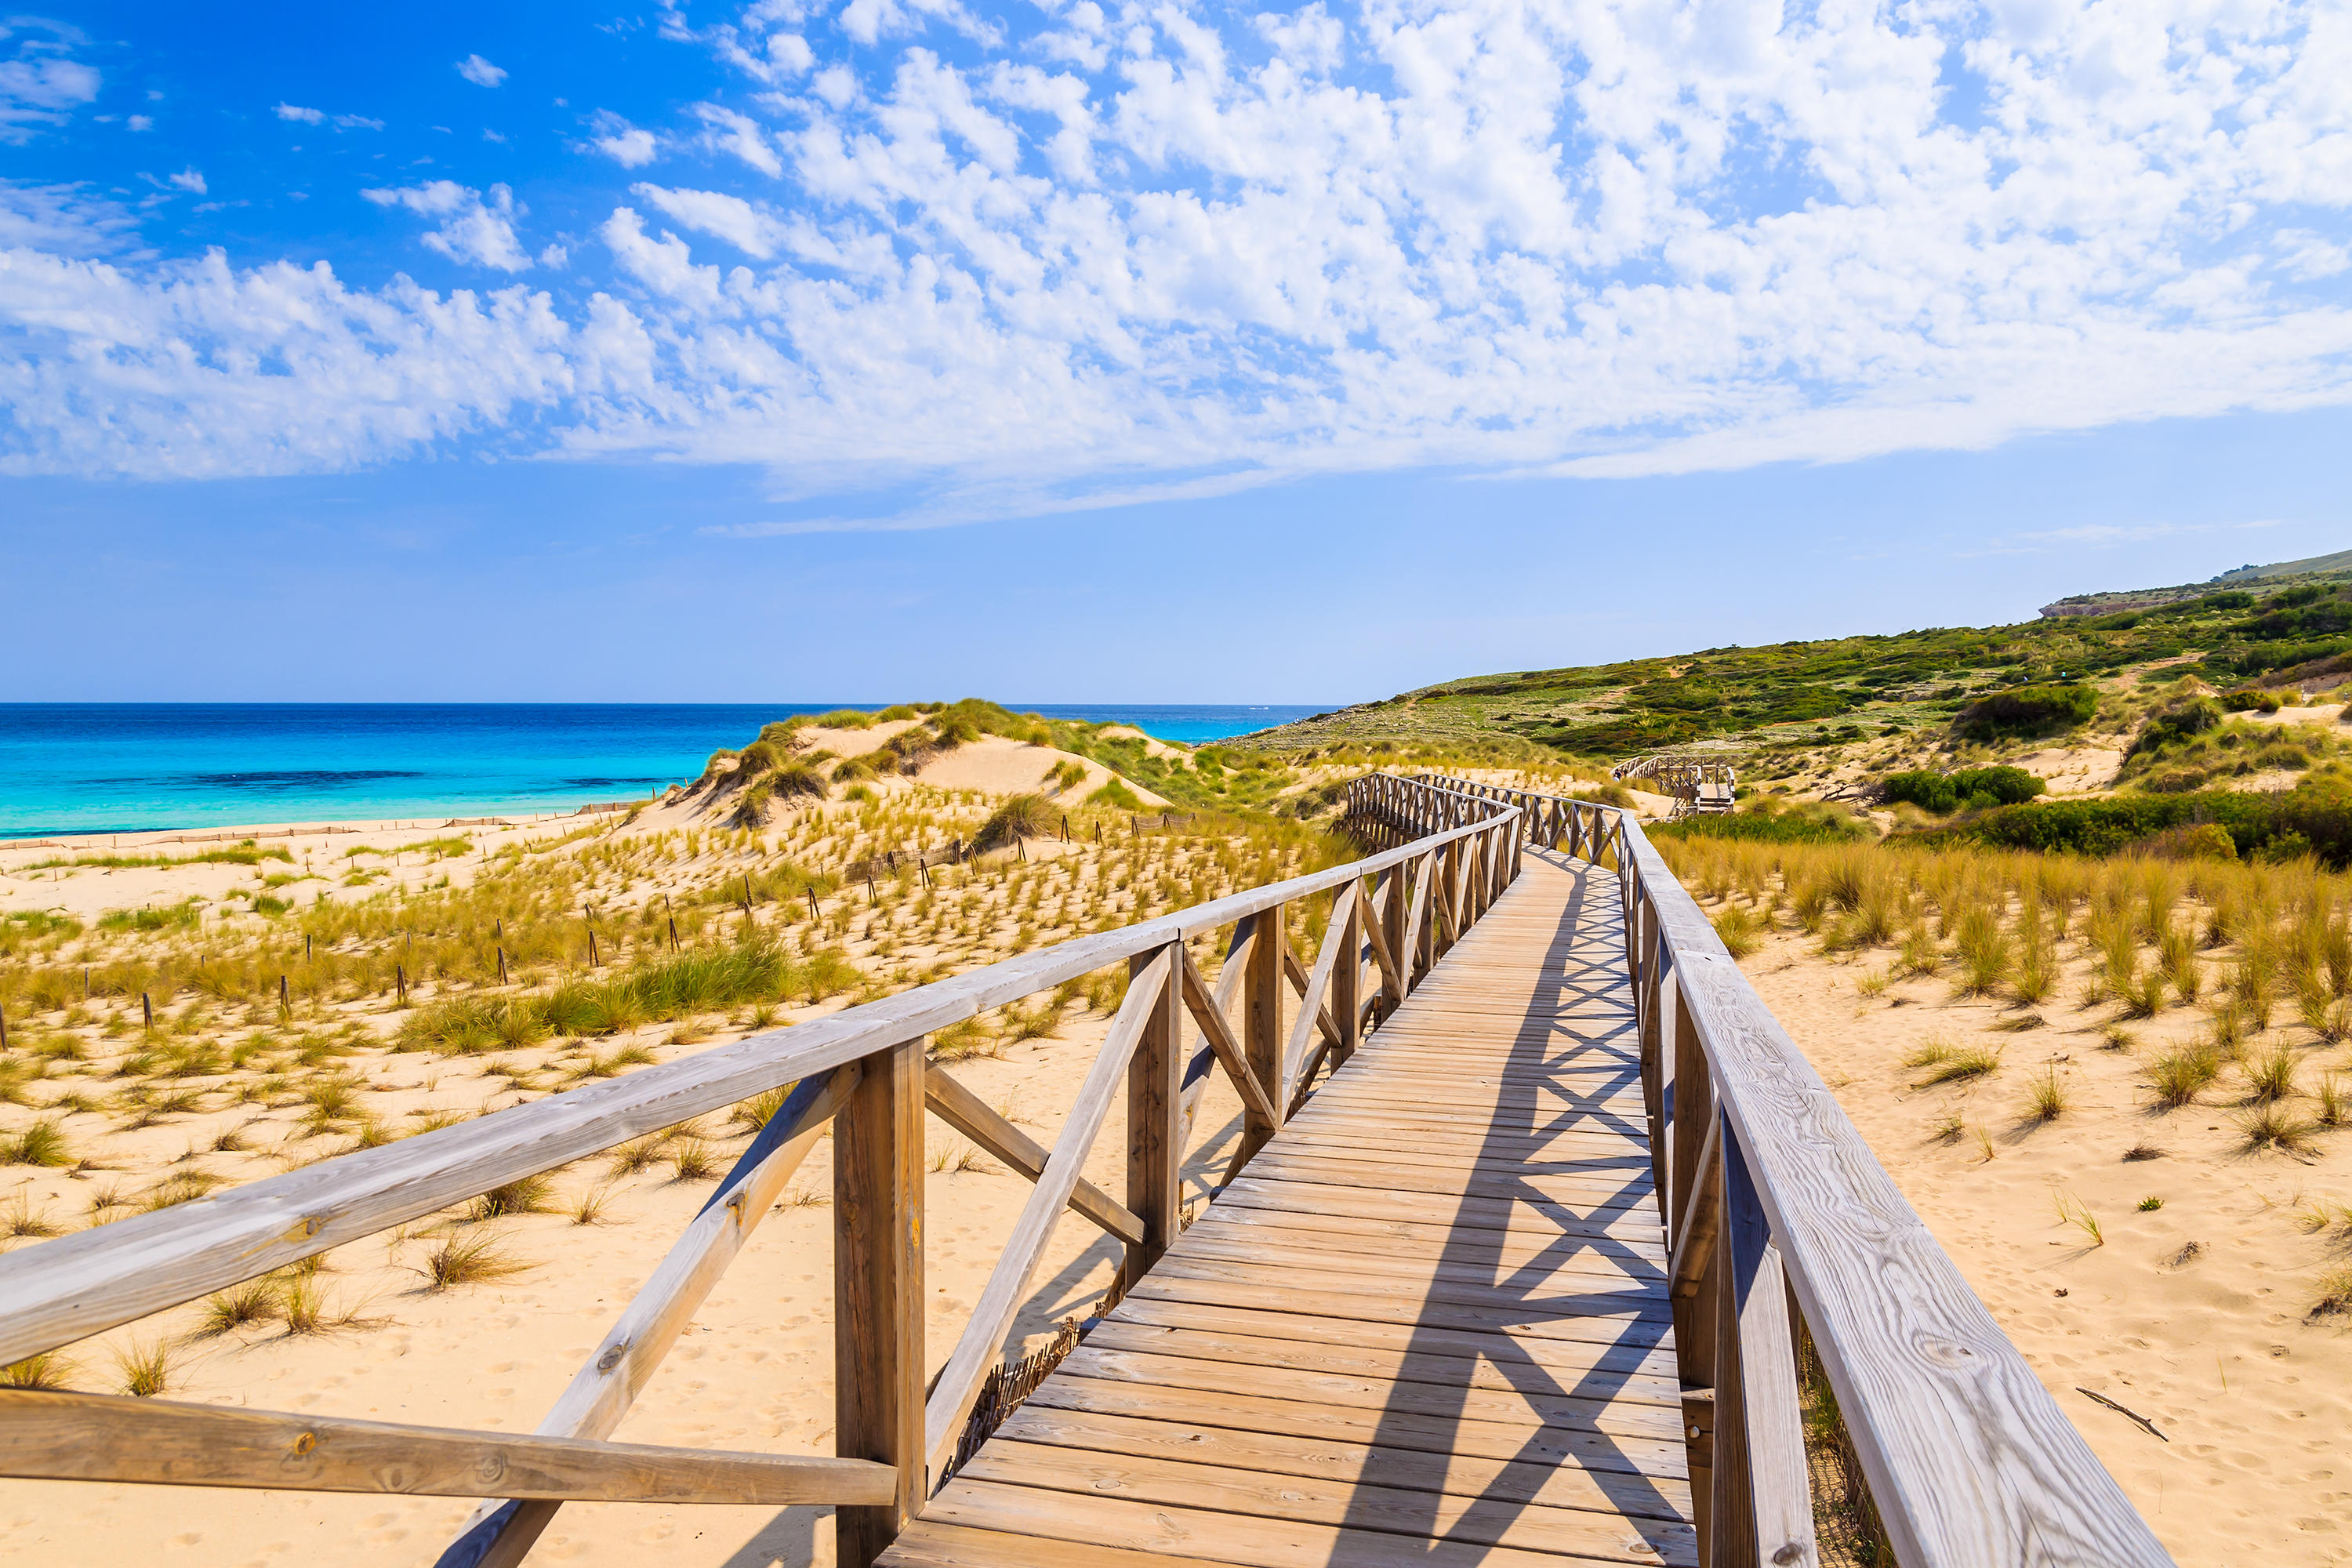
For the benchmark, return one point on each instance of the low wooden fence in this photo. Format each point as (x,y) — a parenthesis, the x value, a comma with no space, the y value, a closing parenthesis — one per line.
(1778,1215)
(1391,917)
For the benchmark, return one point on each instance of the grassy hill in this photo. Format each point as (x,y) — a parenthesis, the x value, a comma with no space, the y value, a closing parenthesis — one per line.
(1943,684)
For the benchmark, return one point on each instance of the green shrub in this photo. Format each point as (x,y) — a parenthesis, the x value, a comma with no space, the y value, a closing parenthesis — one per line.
(1977,788)
(2314,818)
(2027,710)
(2251,699)
(2198,841)
(1023,816)
(1761,826)
(1116,793)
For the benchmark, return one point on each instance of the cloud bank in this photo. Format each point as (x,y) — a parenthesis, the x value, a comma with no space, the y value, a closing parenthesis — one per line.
(1116,252)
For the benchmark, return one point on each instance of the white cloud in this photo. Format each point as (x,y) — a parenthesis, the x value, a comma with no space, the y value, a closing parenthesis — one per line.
(624,143)
(295,374)
(480,72)
(301,116)
(739,135)
(188,180)
(1157,248)
(39,85)
(67,220)
(139,122)
(471,229)
(731,218)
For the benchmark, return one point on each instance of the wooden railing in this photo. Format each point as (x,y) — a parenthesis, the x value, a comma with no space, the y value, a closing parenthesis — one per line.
(1391,916)
(1778,1214)
(1697,785)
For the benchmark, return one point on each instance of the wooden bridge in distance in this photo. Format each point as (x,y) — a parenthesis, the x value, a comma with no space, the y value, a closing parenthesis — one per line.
(1532,1203)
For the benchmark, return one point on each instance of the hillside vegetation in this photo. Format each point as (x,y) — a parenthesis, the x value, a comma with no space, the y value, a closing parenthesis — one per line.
(1961,683)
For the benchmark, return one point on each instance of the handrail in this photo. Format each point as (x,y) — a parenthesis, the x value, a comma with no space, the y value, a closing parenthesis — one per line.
(862,1071)
(1968,1458)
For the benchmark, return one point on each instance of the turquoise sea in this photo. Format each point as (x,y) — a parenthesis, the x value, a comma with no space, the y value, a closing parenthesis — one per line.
(119,767)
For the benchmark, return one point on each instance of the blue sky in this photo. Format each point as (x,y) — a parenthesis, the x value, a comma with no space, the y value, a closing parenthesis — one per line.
(1148,352)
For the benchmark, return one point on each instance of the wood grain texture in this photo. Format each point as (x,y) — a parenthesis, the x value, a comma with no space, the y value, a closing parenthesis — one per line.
(1155,1112)
(102,1438)
(877,1292)
(973,1116)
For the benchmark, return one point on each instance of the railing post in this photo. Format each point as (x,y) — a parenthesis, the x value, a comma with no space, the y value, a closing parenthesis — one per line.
(1392,920)
(1155,1119)
(877,1272)
(1658,987)
(1690,1100)
(1347,979)
(1261,1033)
(1763,1507)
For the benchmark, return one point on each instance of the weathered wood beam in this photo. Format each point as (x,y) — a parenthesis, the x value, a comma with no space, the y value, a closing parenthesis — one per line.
(1008,1284)
(969,1114)
(105,1438)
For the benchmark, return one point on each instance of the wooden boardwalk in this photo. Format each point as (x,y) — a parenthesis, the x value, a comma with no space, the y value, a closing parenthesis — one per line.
(1428,1324)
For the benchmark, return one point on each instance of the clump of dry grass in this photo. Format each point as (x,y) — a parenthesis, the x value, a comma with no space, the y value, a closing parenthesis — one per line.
(145,1369)
(692,1160)
(2176,1077)
(2271,1075)
(963,1040)
(2333,1295)
(2271,1126)
(2335,1108)
(47,1371)
(256,1301)
(1944,1062)
(22,1222)
(2075,1211)
(478,1259)
(638,1155)
(43,1144)
(756,1112)
(2046,1097)
(524,1194)
(589,1208)
(1740,931)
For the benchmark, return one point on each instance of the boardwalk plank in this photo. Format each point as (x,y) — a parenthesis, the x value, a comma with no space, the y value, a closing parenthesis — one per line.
(1428,1324)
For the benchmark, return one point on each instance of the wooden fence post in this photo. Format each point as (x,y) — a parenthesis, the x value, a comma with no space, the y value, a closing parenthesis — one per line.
(877,1271)
(1347,981)
(1261,1033)
(1763,1507)
(1392,919)
(1155,1119)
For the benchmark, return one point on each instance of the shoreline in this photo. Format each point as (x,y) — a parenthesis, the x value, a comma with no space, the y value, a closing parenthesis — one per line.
(141,837)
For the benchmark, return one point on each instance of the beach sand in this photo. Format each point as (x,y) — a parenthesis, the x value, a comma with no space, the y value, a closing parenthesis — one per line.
(2196,1315)
(755,1370)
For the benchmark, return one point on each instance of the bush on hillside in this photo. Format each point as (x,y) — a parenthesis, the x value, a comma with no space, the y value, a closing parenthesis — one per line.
(2251,699)
(2027,710)
(1023,816)
(1974,788)
(1771,821)
(2314,818)
(2182,721)
(2200,841)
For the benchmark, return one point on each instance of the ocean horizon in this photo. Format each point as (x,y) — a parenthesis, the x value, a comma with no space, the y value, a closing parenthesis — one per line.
(132,767)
